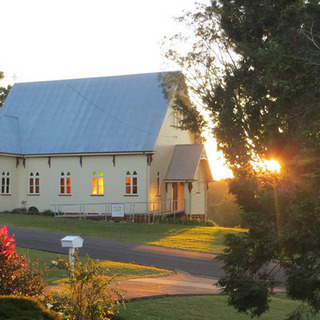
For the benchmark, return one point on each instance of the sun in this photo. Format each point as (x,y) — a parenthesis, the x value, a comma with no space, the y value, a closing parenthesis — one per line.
(264,165)
(271,165)
(221,171)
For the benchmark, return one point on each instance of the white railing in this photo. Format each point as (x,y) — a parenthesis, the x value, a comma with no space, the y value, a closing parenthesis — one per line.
(152,209)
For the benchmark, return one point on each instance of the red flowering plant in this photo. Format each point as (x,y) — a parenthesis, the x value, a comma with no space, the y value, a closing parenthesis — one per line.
(17,275)
(7,243)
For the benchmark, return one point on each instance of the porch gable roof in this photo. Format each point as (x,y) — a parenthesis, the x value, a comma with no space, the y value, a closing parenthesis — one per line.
(184,163)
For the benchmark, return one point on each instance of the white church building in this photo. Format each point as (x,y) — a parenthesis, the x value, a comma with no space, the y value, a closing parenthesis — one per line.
(99,146)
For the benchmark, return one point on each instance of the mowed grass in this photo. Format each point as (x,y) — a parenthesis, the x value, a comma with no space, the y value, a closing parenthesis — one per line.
(117,270)
(200,308)
(203,239)
(139,233)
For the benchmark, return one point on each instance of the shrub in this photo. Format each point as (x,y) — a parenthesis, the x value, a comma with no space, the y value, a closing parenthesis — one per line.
(88,293)
(18,276)
(226,213)
(25,308)
(19,210)
(188,222)
(49,213)
(33,211)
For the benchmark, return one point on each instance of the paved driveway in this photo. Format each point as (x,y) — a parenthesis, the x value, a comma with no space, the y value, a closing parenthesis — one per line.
(197,264)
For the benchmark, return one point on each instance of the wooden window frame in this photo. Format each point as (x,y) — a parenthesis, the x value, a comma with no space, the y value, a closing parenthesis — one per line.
(34,184)
(65,184)
(131,184)
(97,184)
(5,183)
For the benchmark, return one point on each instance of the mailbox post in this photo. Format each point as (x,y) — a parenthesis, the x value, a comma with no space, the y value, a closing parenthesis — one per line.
(71,242)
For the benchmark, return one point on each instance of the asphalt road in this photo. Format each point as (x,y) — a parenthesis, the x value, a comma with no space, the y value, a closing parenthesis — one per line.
(197,264)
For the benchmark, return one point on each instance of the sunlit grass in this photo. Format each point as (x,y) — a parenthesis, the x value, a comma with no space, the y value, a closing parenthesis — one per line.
(205,239)
(123,271)
(118,270)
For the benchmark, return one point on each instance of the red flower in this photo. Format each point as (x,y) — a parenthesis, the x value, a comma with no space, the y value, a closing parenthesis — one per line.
(7,244)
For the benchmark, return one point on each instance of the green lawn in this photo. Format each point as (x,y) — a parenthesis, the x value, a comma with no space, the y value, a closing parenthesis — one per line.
(118,270)
(205,239)
(200,308)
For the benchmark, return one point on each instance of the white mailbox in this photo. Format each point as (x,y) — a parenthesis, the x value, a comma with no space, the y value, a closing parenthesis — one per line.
(71,242)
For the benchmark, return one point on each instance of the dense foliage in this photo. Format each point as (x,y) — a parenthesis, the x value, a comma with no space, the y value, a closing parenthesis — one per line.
(88,295)
(254,64)
(18,276)
(223,208)
(25,308)
(4,91)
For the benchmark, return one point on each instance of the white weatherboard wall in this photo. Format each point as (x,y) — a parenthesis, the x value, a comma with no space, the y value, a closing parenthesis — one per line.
(199,193)
(81,180)
(169,136)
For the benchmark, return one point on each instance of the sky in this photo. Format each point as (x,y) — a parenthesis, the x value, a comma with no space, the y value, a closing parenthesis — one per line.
(66,39)
(45,39)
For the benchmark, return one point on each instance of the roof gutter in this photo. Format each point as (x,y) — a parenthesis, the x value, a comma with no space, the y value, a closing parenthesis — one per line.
(76,154)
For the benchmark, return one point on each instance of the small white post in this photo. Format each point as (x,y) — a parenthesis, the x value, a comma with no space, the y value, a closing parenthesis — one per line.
(71,254)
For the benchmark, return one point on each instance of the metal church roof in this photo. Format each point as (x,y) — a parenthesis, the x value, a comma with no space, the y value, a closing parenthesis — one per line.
(108,114)
(9,138)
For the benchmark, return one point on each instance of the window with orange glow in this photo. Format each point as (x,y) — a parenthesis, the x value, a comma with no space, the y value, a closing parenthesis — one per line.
(65,183)
(5,183)
(128,184)
(68,185)
(158,184)
(34,183)
(97,183)
(131,183)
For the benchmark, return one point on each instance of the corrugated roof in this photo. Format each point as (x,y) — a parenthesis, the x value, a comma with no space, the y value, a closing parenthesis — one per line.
(10,138)
(184,163)
(108,114)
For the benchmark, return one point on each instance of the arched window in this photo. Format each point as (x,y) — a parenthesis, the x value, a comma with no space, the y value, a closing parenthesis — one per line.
(131,183)
(158,184)
(97,183)
(5,183)
(65,183)
(198,182)
(176,119)
(34,183)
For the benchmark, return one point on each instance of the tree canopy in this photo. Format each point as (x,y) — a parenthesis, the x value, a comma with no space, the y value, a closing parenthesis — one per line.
(255,67)
(4,91)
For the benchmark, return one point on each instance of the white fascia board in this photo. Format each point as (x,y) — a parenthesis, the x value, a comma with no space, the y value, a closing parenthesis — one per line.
(85,154)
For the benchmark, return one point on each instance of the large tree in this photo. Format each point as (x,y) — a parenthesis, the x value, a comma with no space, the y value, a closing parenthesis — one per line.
(254,64)
(4,91)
